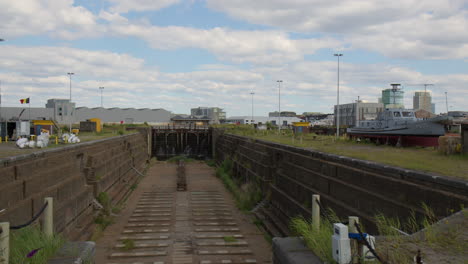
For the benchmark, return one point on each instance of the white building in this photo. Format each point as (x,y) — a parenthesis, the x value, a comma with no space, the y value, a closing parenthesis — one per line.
(261,120)
(351,114)
(215,114)
(422,100)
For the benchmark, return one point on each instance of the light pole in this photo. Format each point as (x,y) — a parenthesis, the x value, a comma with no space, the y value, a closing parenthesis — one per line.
(1,100)
(446,102)
(252,93)
(71,110)
(279,105)
(338,55)
(102,89)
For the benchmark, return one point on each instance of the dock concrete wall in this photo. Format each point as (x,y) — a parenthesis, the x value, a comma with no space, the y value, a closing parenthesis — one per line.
(290,175)
(73,175)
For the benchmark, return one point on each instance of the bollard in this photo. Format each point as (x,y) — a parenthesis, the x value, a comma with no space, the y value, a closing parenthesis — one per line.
(48,227)
(56,140)
(6,138)
(315,211)
(4,242)
(1,140)
(355,250)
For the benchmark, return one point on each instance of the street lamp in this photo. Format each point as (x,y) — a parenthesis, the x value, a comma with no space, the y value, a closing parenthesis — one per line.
(338,55)
(251,121)
(102,89)
(279,105)
(70,75)
(446,102)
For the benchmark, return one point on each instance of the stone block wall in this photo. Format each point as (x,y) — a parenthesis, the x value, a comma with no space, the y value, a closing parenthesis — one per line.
(73,175)
(290,176)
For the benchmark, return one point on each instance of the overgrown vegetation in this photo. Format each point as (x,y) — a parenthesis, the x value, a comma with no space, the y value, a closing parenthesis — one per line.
(229,239)
(318,240)
(247,196)
(416,158)
(446,241)
(24,241)
(128,244)
(210,163)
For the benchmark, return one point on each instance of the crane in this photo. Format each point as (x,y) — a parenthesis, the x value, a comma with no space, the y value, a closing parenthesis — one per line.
(425,90)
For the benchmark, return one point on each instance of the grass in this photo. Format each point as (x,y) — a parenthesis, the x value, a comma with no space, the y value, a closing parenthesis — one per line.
(318,240)
(438,244)
(229,239)
(247,197)
(128,244)
(446,241)
(25,240)
(415,158)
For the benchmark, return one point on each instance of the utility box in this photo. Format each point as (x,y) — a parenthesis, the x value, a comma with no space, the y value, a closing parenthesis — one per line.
(341,245)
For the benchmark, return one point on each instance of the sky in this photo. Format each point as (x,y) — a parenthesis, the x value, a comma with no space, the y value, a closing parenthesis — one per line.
(181,54)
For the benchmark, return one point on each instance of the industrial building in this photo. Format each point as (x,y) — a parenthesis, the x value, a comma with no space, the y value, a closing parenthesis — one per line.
(261,120)
(215,114)
(283,114)
(64,112)
(351,114)
(393,97)
(422,100)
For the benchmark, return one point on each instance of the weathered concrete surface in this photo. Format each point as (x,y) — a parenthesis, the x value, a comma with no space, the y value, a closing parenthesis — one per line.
(200,225)
(291,250)
(73,176)
(75,252)
(290,175)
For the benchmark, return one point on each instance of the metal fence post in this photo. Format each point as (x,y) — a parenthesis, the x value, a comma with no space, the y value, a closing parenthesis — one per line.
(4,242)
(315,211)
(48,227)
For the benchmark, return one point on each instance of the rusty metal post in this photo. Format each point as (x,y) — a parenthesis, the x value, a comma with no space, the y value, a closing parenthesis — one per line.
(315,211)
(4,242)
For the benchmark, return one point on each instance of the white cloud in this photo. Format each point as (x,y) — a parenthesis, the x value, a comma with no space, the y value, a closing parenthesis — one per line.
(403,29)
(40,72)
(240,46)
(56,17)
(124,6)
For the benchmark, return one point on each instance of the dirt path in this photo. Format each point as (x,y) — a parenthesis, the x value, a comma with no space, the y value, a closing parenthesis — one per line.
(200,225)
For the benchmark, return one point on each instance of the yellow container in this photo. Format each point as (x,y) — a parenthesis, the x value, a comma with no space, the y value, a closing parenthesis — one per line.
(75,131)
(98,124)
